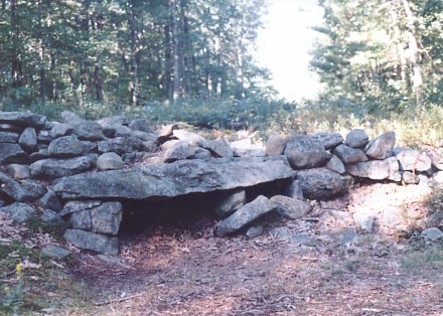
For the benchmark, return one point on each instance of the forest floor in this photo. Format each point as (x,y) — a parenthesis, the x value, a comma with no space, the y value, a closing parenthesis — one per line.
(312,266)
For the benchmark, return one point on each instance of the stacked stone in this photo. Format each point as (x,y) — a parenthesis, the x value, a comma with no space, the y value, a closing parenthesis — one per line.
(79,170)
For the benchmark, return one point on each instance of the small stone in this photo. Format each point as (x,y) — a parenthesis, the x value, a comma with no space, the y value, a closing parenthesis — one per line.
(90,241)
(60,129)
(28,139)
(110,161)
(141,125)
(335,164)
(66,146)
(349,155)
(432,234)
(19,212)
(19,172)
(295,190)
(219,147)
(254,231)
(275,145)
(382,146)
(291,208)
(56,252)
(245,215)
(178,151)
(230,202)
(356,138)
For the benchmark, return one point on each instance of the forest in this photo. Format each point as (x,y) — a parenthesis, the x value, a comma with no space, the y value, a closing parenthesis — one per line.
(193,60)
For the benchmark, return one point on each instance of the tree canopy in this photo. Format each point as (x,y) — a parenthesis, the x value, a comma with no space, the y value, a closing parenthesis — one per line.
(127,51)
(381,55)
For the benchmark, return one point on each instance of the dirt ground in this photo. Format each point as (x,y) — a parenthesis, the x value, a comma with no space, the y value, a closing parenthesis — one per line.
(310,266)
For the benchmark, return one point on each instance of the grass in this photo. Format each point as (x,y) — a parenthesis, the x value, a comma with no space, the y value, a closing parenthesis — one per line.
(31,283)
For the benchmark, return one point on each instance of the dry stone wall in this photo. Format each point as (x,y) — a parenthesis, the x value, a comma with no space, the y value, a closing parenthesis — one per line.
(80,170)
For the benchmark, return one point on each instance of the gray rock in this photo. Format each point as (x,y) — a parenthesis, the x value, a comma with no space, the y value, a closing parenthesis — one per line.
(201,153)
(106,218)
(245,215)
(303,152)
(28,139)
(55,168)
(175,179)
(409,177)
(60,129)
(34,188)
(14,190)
(437,160)
(275,145)
(88,130)
(254,231)
(121,145)
(70,117)
(414,160)
(321,183)
(432,234)
(79,206)
(192,138)
(12,153)
(44,136)
(328,140)
(122,131)
(336,165)
(231,202)
(110,161)
(40,154)
(141,125)
(9,137)
(50,216)
(219,147)
(145,136)
(56,252)
(50,200)
(113,120)
(364,222)
(295,190)
(25,119)
(376,169)
(178,151)
(91,241)
(11,128)
(19,172)
(140,156)
(82,220)
(381,147)
(245,148)
(19,212)
(166,132)
(291,208)
(349,155)
(66,146)
(357,138)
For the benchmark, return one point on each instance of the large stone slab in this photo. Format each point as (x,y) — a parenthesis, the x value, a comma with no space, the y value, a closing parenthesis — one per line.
(23,119)
(175,179)
(305,152)
(245,215)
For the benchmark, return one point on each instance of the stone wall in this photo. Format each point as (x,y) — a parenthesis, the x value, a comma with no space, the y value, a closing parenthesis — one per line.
(80,170)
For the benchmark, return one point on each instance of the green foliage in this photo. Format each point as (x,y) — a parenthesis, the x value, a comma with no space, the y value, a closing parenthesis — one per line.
(255,114)
(92,52)
(381,56)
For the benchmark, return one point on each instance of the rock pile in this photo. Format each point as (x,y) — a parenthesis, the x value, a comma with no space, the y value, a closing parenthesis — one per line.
(81,170)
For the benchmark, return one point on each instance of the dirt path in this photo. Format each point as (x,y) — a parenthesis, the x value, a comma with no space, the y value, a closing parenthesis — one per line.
(171,271)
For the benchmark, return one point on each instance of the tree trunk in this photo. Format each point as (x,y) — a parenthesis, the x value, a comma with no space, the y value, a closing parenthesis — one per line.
(133,82)
(168,63)
(416,75)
